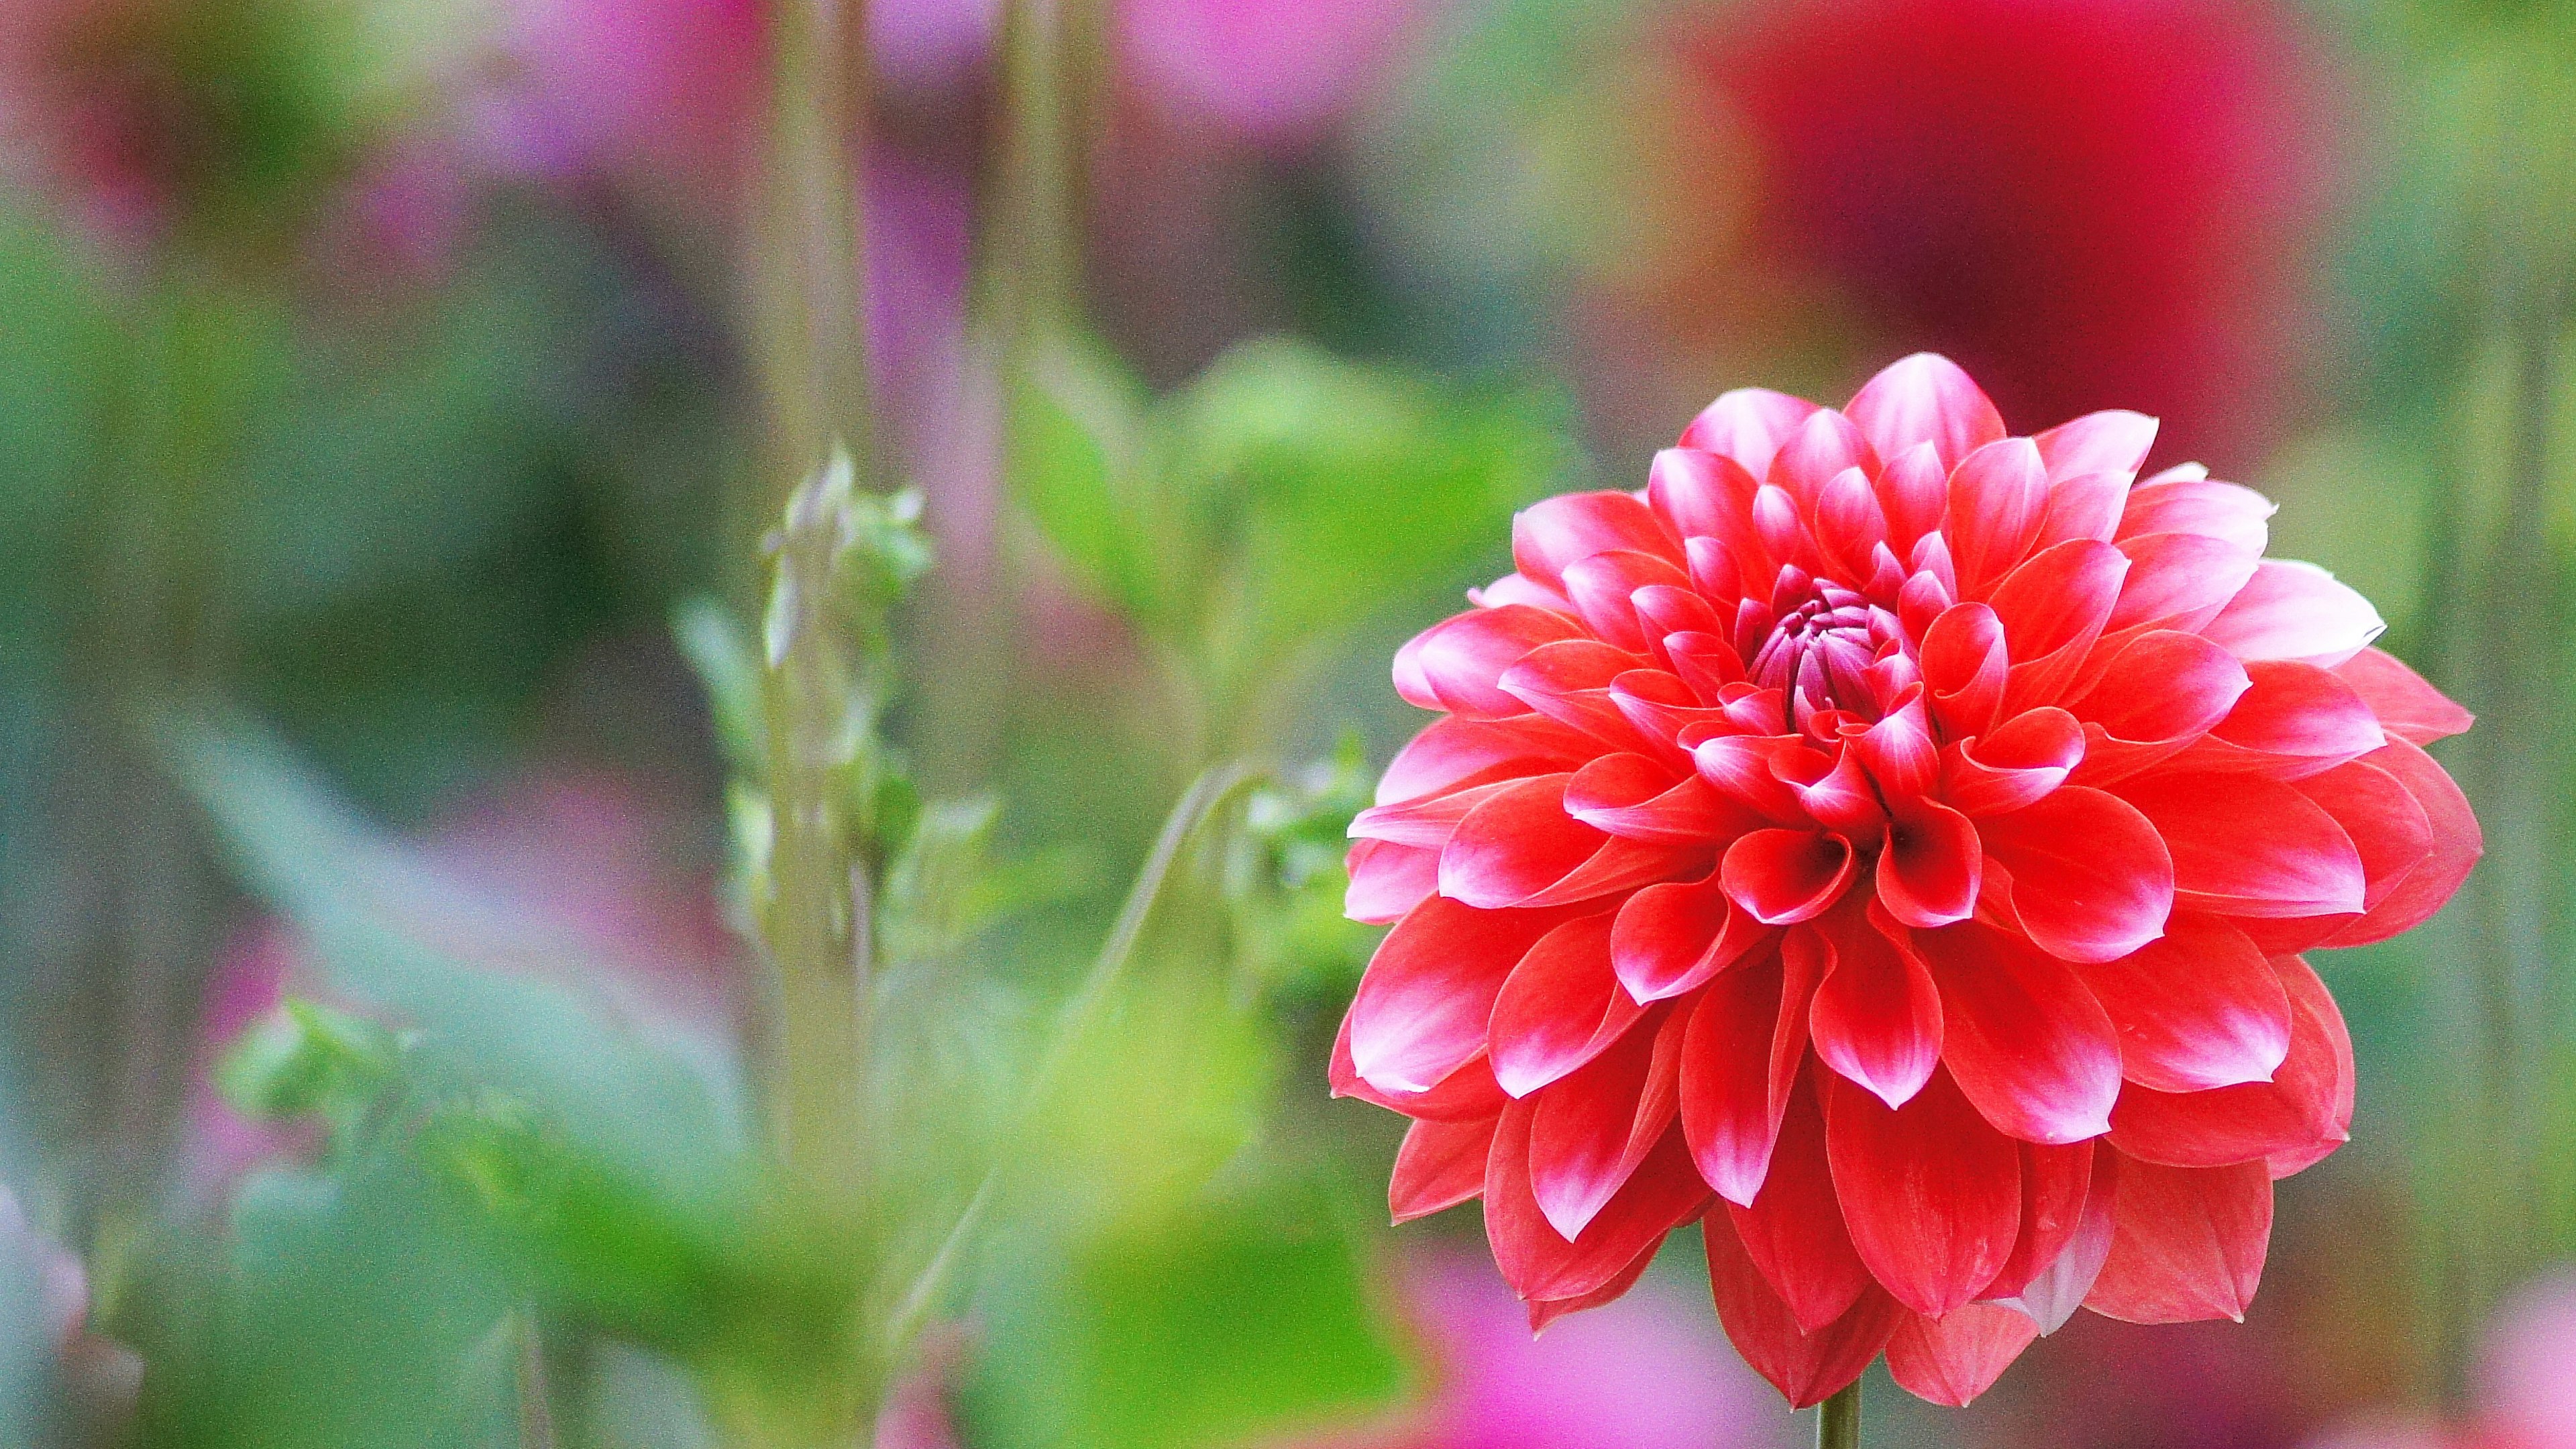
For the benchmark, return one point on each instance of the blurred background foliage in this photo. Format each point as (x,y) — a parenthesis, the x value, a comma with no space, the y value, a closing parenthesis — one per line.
(384,1052)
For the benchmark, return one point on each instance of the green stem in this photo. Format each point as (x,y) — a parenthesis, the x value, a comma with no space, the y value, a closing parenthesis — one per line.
(1838,1419)
(1072,1021)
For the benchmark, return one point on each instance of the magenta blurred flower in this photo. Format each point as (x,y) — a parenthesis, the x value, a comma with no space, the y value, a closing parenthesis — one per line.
(1890,840)
(2089,205)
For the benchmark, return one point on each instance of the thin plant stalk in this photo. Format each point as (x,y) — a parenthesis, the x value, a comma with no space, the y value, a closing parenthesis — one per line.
(1838,1419)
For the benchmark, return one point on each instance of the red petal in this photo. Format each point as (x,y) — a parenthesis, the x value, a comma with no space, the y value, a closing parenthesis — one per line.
(1793,1231)
(1425,822)
(2160,688)
(1952,1359)
(2057,1290)
(2103,442)
(2311,993)
(1929,873)
(1913,492)
(2015,767)
(2055,1186)
(2091,880)
(2022,1037)
(1932,1195)
(2195,1010)
(1965,668)
(1595,1126)
(2294,1112)
(1548,535)
(1561,1007)
(1569,681)
(1388,880)
(2292,610)
(1422,1005)
(1877,1014)
(1536,1260)
(2187,1243)
(1466,1095)
(1786,876)
(1636,798)
(1997,496)
(1544,1311)
(2456,845)
(1454,664)
(1806,1368)
(2385,821)
(1748,425)
(1603,586)
(2296,719)
(1671,938)
(1440,1165)
(2407,707)
(2052,607)
(1740,1056)
(2244,845)
(2084,505)
(1925,398)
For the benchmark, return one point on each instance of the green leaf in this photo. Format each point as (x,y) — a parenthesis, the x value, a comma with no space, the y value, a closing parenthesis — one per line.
(497,1001)
(305,1058)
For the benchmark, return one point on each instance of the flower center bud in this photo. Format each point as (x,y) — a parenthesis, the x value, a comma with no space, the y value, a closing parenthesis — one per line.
(1824,636)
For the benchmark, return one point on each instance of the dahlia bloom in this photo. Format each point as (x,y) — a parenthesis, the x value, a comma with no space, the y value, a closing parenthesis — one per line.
(1890,841)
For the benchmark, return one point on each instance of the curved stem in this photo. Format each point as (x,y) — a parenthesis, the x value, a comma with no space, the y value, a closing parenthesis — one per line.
(1838,1419)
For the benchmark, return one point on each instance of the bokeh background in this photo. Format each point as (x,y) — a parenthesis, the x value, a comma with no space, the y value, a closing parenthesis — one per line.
(381,379)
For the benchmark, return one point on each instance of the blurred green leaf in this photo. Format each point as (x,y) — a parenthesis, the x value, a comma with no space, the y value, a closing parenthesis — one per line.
(1250,1319)
(305,1058)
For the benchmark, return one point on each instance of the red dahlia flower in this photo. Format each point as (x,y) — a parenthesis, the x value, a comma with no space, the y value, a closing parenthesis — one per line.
(1901,834)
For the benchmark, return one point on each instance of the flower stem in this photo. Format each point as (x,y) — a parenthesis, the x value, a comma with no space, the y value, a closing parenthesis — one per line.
(1838,1419)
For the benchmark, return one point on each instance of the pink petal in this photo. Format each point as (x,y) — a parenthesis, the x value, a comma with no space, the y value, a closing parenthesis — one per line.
(2187,1243)
(1453,753)
(1913,493)
(1952,1359)
(1998,495)
(2103,442)
(1637,798)
(1595,1126)
(1440,1165)
(1467,1094)
(2248,846)
(1740,1057)
(1388,880)
(1454,665)
(2091,880)
(2295,719)
(2223,511)
(2022,1037)
(1748,425)
(2197,1009)
(1932,1195)
(2179,581)
(2407,707)
(1561,1006)
(1603,585)
(2292,610)
(1554,532)
(2086,505)
(1877,1013)
(1925,398)
(1422,1004)
(1807,1368)
(1793,1230)
(1824,445)
(1702,494)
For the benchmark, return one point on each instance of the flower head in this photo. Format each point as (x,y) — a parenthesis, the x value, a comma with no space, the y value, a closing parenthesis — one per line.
(1891,840)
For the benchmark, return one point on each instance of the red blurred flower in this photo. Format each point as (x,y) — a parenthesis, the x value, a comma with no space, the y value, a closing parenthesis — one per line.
(1903,833)
(2085,204)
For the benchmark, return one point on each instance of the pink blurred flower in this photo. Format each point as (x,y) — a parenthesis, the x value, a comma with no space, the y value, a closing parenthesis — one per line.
(1271,72)
(665,88)
(98,1376)
(2523,1387)
(2087,205)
